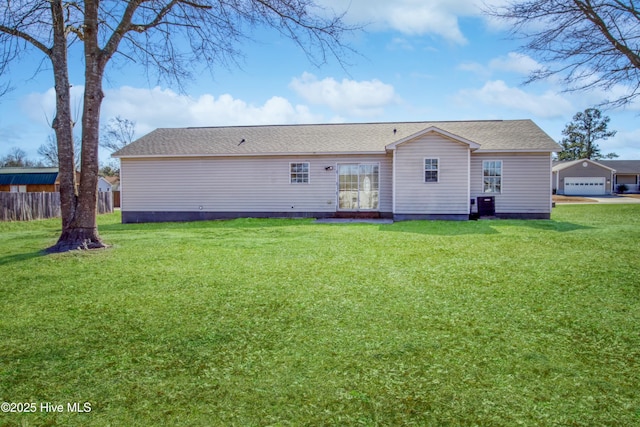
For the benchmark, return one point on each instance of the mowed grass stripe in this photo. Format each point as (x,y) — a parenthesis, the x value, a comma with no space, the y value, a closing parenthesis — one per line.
(289,322)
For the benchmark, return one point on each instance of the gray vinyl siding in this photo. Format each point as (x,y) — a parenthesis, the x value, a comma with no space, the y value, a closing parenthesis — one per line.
(631,181)
(526,182)
(448,196)
(626,179)
(239,184)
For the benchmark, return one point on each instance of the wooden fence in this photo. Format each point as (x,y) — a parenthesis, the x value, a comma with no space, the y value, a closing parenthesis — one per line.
(30,206)
(105,202)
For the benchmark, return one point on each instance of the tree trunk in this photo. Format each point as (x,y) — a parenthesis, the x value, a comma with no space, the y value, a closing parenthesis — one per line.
(79,208)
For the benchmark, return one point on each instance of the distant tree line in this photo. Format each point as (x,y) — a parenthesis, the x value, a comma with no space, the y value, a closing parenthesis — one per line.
(116,134)
(17,158)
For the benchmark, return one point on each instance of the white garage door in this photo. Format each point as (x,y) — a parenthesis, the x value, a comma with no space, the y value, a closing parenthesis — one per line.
(584,186)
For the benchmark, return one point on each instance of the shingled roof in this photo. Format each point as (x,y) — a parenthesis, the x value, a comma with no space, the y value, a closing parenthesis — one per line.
(629,167)
(356,138)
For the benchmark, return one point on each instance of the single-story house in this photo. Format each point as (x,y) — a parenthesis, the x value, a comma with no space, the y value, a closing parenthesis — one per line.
(104,186)
(627,173)
(402,170)
(29,180)
(594,177)
(114,181)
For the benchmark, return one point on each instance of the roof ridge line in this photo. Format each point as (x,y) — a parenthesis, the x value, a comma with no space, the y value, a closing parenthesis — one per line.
(348,124)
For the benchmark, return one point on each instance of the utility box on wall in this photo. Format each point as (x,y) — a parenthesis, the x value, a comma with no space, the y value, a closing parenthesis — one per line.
(486,206)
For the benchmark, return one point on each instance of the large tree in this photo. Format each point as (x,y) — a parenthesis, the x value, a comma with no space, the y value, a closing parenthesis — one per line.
(165,36)
(581,134)
(588,44)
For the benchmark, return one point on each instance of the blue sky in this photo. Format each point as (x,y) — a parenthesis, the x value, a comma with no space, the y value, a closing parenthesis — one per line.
(417,60)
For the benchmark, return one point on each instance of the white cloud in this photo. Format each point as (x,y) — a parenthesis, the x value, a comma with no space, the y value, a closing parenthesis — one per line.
(400,43)
(358,98)
(413,17)
(597,96)
(523,65)
(152,108)
(625,143)
(426,17)
(515,63)
(498,94)
(475,68)
(41,107)
(157,107)
(511,63)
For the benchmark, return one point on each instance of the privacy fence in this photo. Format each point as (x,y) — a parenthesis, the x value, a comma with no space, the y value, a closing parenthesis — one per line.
(30,206)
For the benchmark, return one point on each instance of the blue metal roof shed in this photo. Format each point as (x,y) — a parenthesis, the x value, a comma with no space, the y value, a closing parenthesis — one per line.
(28,176)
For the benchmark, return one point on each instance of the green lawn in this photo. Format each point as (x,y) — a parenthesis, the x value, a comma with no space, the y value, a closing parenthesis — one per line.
(291,323)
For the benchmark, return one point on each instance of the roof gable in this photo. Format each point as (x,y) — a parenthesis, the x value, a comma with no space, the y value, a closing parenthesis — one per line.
(564,165)
(434,129)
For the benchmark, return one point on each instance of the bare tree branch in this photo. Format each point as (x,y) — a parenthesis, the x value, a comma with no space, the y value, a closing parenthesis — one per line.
(590,44)
(26,37)
(118,133)
(49,152)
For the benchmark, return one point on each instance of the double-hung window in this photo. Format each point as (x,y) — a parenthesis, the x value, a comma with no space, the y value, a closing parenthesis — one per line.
(492,176)
(431,170)
(299,173)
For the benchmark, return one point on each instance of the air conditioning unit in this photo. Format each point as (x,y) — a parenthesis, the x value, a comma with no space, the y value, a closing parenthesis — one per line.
(486,206)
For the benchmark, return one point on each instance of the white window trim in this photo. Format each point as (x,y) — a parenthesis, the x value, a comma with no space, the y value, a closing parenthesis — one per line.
(424,169)
(308,173)
(501,176)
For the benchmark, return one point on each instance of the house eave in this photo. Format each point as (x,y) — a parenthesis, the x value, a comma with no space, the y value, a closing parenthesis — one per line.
(512,151)
(290,154)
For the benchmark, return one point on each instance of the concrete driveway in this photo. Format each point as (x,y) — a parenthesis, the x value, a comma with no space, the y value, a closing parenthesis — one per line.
(614,199)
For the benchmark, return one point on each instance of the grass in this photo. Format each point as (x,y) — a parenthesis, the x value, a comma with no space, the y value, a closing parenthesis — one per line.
(291,323)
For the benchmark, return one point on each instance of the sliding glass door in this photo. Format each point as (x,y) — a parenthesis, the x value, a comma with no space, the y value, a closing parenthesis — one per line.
(358,186)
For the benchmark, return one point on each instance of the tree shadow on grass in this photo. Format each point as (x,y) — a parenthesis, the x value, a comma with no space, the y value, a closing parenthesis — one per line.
(15,258)
(483,227)
(557,226)
(442,228)
(238,223)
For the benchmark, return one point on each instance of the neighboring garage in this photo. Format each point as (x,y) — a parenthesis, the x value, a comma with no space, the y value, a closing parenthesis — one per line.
(583,186)
(582,178)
